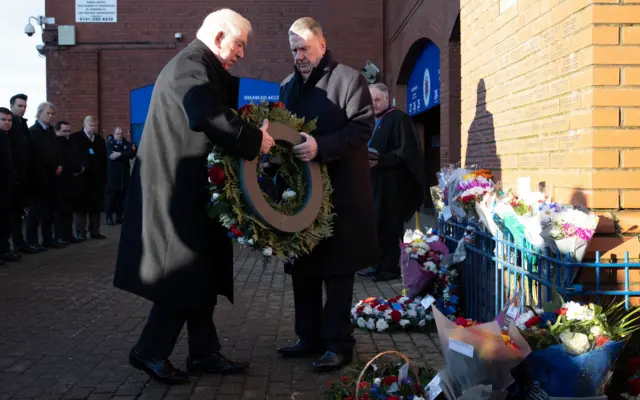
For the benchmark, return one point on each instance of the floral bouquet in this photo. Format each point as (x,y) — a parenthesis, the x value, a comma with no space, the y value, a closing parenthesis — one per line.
(388,380)
(377,314)
(471,188)
(422,256)
(572,230)
(478,355)
(448,179)
(574,348)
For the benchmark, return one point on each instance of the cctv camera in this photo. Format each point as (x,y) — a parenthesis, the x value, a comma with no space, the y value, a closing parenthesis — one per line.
(40,49)
(29,30)
(370,72)
(177,36)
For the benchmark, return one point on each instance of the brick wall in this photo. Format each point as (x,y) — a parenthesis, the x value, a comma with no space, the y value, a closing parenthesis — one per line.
(97,75)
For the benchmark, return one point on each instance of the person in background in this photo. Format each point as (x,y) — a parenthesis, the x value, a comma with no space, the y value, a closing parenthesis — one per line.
(92,202)
(46,162)
(120,152)
(7,173)
(398,178)
(69,184)
(20,139)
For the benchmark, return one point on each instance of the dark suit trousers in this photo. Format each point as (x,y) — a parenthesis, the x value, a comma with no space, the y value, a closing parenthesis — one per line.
(163,328)
(40,215)
(17,237)
(389,239)
(5,230)
(63,225)
(115,204)
(80,221)
(329,326)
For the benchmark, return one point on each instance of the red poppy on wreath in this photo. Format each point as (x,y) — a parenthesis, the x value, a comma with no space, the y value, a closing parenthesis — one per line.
(216,175)
(245,110)
(383,307)
(234,229)
(363,385)
(396,316)
(393,398)
(277,104)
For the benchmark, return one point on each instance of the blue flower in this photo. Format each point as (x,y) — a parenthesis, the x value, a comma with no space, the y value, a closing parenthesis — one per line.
(548,316)
(231,235)
(454,299)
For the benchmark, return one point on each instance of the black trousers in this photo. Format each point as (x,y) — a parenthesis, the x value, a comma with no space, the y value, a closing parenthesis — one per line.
(389,238)
(5,230)
(160,334)
(80,222)
(63,225)
(17,226)
(115,204)
(40,215)
(329,325)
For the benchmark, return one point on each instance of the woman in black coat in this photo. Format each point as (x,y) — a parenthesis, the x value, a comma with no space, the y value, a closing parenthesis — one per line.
(119,153)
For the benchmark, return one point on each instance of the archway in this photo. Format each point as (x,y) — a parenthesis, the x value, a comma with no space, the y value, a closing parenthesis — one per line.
(420,74)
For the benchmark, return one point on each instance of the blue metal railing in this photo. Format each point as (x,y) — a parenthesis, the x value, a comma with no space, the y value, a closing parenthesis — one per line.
(495,269)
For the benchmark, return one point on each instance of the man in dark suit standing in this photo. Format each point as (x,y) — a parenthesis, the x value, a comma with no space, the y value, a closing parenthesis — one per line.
(170,251)
(338,96)
(7,174)
(20,139)
(47,166)
(92,201)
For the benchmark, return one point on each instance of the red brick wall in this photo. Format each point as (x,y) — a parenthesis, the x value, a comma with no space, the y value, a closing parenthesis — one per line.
(97,78)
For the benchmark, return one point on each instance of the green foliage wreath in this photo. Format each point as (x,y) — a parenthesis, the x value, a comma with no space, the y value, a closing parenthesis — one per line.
(281,177)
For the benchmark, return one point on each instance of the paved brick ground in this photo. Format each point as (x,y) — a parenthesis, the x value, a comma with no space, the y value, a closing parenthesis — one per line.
(65,332)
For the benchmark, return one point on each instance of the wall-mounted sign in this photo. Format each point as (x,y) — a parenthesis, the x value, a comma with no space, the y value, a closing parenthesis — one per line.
(423,89)
(257,90)
(96,11)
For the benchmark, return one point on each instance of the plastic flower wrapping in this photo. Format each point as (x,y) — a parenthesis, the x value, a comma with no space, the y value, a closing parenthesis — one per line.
(574,347)
(471,189)
(571,230)
(478,356)
(423,256)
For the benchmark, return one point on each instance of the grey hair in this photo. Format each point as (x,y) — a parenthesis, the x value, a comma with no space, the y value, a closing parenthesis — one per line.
(90,118)
(224,20)
(381,87)
(116,129)
(304,25)
(43,106)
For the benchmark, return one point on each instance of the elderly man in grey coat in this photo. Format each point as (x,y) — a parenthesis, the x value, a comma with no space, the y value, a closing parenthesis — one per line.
(170,251)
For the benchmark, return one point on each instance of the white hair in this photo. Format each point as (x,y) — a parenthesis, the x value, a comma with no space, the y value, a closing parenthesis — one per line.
(226,21)
(42,107)
(381,87)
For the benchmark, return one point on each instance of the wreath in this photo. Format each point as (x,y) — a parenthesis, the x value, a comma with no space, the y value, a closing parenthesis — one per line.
(281,177)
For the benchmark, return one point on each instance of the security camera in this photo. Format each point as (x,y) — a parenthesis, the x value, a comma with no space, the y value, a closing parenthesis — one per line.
(370,72)
(29,30)
(177,36)
(40,49)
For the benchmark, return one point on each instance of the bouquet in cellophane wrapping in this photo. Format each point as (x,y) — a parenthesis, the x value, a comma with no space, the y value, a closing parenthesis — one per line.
(421,258)
(478,357)
(570,229)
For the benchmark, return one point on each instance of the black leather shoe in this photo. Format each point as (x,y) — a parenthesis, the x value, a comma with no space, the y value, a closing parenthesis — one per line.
(81,237)
(386,276)
(40,247)
(74,240)
(29,249)
(54,245)
(300,349)
(216,364)
(62,242)
(10,256)
(368,272)
(98,236)
(162,371)
(331,361)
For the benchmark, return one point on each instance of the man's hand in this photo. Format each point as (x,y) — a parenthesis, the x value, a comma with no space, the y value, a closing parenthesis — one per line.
(59,170)
(267,140)
(307,150)
(373,163)
(115,155)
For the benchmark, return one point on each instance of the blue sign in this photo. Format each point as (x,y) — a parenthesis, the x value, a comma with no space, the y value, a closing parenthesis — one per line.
(257,90)
(423,89)
(139,101)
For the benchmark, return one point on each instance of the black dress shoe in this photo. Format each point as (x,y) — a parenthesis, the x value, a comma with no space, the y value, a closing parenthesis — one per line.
(62,242)
(386,276)
(54,245)
(368,272)
(97,236)
(73,240)
(300,349)
(81,237)
(162,371)
(10,256)
(216,364)
(29,249)
(40,248)
(331,361)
